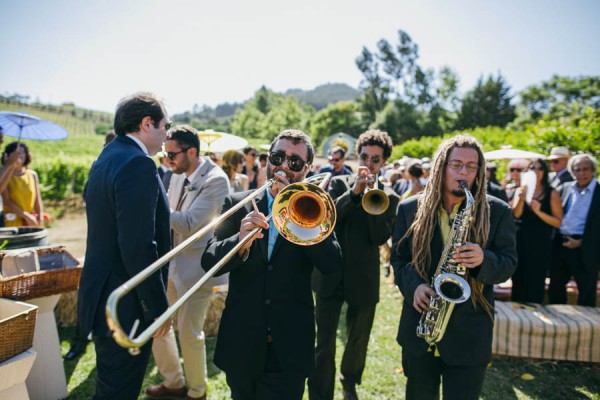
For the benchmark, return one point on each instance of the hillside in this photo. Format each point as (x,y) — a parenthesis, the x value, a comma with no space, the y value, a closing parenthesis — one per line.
(323,95)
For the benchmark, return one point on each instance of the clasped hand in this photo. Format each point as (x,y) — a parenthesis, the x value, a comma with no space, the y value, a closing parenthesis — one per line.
(469,255)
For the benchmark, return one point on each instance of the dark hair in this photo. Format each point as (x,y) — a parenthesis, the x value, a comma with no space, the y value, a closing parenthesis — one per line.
(338,149)
(545,169)
(230,161)
(263,156)
(12,147)
(415,169)
(109,137)
(296,136)
(374,137)
(248,149)
(132,109)
(185,136)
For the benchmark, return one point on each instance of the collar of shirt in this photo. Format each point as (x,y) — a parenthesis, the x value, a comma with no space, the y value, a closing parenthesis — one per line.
(191,177)
(445,221)
(139,143)
(589,188)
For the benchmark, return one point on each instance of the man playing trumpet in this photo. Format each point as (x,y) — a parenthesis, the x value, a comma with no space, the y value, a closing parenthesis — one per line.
(360,232)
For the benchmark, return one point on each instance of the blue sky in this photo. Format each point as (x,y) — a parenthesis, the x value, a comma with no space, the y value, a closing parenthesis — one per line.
(209,52)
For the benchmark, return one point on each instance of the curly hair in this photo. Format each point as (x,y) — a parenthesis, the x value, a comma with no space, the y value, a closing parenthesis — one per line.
(426,219)
(374,137)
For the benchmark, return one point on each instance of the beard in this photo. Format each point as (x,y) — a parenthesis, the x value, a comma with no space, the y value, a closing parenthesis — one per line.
(458,192)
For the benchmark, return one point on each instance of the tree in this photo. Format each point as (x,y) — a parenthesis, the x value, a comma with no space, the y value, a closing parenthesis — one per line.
(344,116)
(488,104)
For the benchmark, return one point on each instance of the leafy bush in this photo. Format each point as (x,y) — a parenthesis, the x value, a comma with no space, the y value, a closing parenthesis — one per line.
(60,179)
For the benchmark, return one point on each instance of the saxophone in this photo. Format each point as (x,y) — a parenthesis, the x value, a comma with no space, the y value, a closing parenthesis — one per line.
(450,286)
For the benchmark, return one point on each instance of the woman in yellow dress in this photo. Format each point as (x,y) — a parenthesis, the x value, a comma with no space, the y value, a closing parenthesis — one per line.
(22,203)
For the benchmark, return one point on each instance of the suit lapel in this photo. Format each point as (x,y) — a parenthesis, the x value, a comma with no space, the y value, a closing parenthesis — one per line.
(190,195)
(263,206)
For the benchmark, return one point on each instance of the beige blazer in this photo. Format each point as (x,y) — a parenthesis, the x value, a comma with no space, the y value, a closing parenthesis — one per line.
(202,201)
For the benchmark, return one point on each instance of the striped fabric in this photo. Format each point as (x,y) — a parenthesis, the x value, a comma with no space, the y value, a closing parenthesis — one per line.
(554,332)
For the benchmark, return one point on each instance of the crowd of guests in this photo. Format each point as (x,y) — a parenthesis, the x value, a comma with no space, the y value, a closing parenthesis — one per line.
(279,326)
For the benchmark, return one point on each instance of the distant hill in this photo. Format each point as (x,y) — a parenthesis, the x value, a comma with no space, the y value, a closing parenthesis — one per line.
(323,95)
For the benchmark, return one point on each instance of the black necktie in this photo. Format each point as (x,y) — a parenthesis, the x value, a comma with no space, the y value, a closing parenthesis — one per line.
(186,182)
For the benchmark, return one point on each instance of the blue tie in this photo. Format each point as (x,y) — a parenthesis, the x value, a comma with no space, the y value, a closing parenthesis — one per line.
(272,231)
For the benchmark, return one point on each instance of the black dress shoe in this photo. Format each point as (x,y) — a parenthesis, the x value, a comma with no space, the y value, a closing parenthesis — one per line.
(75,351)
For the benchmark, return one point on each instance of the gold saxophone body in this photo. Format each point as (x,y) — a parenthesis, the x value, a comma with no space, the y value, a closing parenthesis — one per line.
(449,283)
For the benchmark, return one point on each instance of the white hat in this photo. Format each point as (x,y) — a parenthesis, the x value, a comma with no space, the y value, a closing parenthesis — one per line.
(559,152)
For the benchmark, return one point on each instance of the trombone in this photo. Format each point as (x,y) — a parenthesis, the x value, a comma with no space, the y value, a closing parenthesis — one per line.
(302,212)
(374,201)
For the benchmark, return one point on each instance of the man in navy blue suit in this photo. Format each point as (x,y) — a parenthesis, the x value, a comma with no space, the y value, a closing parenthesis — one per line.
(128,229)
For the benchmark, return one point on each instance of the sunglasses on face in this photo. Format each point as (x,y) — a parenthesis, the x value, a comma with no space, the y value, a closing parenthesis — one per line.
(374,160)
(171,155)
(294,163)
(555,161)
(534,168)
(253,154)
(516,169)
(334,159)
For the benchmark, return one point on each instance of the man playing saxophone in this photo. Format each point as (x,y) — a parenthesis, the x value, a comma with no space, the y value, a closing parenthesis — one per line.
(422,232)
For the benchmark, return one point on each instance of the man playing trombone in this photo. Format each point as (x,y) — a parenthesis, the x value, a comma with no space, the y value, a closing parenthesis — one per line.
(364,223)
(197,190)
(266,336)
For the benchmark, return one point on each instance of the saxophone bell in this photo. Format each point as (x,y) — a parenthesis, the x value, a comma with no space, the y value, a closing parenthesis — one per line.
(452,288)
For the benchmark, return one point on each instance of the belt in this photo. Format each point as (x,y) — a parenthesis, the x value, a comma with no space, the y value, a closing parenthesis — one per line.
(565,236)
(269,338)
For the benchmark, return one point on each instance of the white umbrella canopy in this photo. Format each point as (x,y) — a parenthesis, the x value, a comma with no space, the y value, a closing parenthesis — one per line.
(220,142)
(510,154)
(24,126)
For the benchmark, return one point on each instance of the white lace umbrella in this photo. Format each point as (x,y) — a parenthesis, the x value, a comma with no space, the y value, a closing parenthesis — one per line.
(510,154)
(220,142)
(24,126)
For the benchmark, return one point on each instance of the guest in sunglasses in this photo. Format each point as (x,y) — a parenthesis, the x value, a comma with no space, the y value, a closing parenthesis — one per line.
(232,164)
(513,177)
(337,158)
(559,159)
(537,218)
(267,333)
(357,283)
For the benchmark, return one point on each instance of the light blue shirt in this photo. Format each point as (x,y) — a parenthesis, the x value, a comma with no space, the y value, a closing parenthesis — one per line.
(272,230)
(579,203)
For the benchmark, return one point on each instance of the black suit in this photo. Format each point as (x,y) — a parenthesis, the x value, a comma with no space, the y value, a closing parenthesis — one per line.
(267,330)
(467,342)
(128,229)
(357,283)
(558,180)
(583,262)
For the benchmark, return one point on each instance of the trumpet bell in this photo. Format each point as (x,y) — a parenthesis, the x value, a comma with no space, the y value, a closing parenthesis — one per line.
(303,213)
(375,201)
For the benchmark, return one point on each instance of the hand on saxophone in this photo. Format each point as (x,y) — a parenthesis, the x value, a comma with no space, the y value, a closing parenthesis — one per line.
(470,255)
(421,297)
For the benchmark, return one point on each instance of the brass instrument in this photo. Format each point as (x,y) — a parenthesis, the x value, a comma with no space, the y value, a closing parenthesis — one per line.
(374,201)
(303,213)
(450,287)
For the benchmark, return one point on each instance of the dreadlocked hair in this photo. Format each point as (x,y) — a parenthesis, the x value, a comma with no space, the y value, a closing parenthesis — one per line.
(426,219)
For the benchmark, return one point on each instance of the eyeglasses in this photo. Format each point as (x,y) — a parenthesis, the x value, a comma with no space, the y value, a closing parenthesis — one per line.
(171,155)
(458,165)
(252,154)
(555,161)
(582,169)
(374,160)
(534,168)
(294,163)
(334,159)
(516,169)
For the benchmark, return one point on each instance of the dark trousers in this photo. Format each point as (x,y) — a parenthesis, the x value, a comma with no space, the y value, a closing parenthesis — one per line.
(119,375)
(272,384)
(567,263)
(359,321)
(424,373)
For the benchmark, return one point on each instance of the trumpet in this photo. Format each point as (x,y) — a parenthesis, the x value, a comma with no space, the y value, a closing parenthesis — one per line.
(374,201)
(303,213)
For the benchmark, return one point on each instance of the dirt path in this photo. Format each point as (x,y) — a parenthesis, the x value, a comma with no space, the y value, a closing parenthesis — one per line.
(71,231)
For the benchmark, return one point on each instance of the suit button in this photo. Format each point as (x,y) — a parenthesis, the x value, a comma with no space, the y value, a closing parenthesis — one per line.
(270,268)
(268,301)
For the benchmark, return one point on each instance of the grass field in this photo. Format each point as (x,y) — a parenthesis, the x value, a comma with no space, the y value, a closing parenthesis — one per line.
(383,378)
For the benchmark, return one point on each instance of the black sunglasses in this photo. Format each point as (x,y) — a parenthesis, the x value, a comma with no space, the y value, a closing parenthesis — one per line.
(294,163)
(375,159)
(171,155)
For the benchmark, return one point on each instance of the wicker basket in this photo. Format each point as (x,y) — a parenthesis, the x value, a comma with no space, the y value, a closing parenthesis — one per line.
(60,273)
(17,324)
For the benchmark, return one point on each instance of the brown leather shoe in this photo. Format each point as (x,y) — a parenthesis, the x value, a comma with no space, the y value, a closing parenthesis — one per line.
(163,392)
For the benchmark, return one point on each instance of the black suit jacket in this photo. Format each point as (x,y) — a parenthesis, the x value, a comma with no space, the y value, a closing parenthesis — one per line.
(267,295)
(360,235)
(563,178)
(468,337)
(591,233)
(128,229)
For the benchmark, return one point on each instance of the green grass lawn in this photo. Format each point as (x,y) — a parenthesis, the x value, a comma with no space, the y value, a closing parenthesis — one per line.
(383,378)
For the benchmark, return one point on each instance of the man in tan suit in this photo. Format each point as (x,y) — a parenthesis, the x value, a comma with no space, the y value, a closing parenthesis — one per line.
(196,193)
